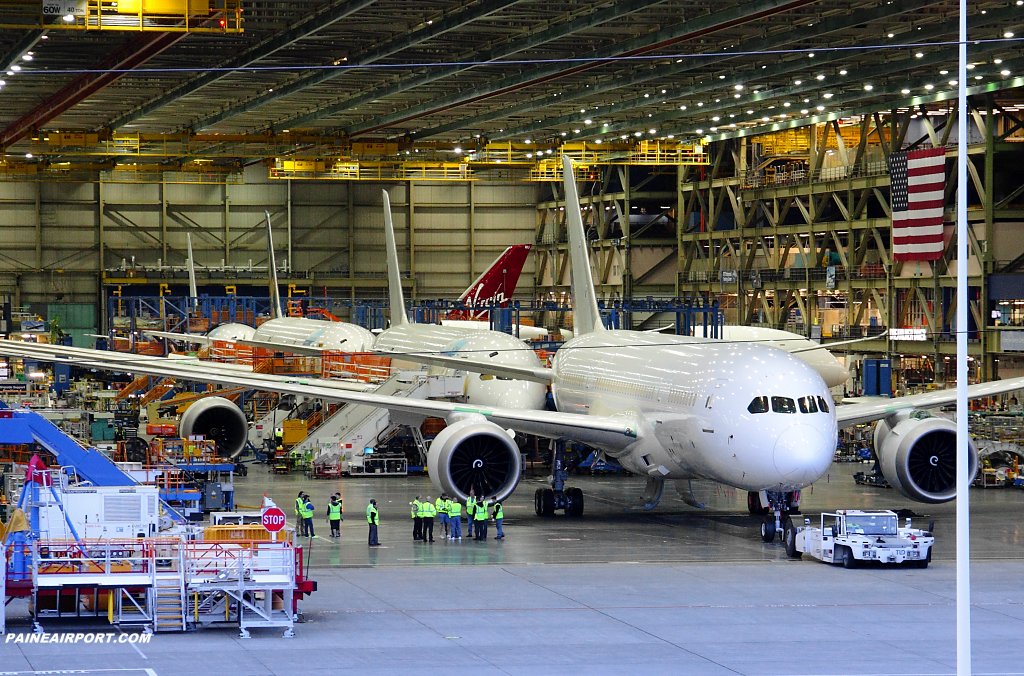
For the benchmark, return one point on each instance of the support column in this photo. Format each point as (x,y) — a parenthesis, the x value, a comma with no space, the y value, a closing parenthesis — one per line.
(985,256)
(227,229)
(289,181)
(163,219)
(349,189)
(39,227)
(412,238)
(472,232)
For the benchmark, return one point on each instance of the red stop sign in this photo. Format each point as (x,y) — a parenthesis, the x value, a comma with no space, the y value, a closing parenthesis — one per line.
(273,519)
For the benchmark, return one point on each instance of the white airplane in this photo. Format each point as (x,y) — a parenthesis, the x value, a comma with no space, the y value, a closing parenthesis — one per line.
(500,348)
(296,335)
(746,415)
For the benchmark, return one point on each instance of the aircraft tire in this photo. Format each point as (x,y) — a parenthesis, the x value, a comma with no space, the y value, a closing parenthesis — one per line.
(575,496)
(538,501)
(547,502)
(789,538)
(768,529)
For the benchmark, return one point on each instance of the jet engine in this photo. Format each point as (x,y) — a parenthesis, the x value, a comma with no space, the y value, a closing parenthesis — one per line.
(219,420)
(474,454)
(918,456)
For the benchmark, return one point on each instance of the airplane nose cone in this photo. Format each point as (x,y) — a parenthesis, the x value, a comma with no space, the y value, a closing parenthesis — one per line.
(802,454)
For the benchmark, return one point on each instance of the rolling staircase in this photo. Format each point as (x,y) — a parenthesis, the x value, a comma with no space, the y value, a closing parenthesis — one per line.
(171,602)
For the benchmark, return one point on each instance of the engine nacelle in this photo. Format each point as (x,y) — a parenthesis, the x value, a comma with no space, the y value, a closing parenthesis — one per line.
(474,454)
(219,420)
(918,456)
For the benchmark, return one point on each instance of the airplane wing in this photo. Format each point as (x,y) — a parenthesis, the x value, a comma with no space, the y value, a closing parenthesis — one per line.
(829,346)
(133,363)
(856,414)
(304,350)
(478,363)
(196,338)
(607,432)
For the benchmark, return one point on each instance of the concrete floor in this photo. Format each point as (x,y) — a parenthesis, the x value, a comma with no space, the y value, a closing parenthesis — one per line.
(674,591)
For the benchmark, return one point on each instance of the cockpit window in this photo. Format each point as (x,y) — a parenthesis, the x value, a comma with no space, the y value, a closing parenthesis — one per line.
(783,405)
(807,405)
(758,405)
(822,405)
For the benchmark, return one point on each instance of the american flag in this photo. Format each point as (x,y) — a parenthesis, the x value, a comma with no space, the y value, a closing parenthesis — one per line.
(917,181)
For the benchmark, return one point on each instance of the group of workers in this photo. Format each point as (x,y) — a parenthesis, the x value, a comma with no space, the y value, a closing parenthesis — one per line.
(449,513)
(447,509)
(304,515)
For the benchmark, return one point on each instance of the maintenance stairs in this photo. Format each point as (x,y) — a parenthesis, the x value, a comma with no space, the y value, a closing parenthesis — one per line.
(356,426)
(171,599)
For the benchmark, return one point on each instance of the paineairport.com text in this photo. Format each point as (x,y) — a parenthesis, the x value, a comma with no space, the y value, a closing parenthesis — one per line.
(81,637)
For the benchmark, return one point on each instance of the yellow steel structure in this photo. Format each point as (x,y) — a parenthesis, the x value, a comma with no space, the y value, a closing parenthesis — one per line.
(166,16)
(140,158)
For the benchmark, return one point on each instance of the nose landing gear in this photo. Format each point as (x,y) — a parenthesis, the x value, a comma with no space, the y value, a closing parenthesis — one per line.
(776,507)
(547,500)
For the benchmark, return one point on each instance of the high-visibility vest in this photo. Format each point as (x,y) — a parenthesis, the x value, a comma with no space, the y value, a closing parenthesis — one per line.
(498,512)
(481,512)
(429,511)
(307,510)
(455,509)
(415,509)
(334,511)
(372,517)
(300,504)
(470,505)
(421,509)
(442,506)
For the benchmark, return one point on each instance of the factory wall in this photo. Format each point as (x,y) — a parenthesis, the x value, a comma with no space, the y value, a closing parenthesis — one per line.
(51,233)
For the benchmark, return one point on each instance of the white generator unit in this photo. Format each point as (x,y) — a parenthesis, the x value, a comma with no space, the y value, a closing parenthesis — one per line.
(98,512)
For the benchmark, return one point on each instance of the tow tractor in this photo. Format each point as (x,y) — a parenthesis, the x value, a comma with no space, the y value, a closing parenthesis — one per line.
(850,536)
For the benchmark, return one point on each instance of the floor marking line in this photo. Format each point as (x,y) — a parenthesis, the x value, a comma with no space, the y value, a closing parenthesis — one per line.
(141,654)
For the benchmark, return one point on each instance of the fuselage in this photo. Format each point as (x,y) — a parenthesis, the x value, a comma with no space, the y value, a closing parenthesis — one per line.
(525,332)
(303,332)
(500,348)
(831,370)
(231,332)
(733,412)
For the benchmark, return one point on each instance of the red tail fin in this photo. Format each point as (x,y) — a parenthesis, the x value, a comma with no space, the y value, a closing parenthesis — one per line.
(497,283)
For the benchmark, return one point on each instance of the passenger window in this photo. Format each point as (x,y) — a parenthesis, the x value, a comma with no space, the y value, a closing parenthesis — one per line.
(822,405)
(758,405)
(783,405)
(807,405)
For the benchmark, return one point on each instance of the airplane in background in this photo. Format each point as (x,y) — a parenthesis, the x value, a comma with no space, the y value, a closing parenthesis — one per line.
(747,415)
(295,335)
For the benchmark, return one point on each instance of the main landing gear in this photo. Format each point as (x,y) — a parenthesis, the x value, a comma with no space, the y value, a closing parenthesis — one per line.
(775,507)
(547,500)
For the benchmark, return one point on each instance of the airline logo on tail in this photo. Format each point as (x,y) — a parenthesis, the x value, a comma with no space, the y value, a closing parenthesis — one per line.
(496,285)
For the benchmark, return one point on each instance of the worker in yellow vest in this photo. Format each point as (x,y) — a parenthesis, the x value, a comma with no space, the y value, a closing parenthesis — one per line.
(334,516)
(300,523)
(480,519)
(373,519)
(429,512)
(307,516)
(499,516)
(470,513)
(442,513)
(417,519)
(455,514)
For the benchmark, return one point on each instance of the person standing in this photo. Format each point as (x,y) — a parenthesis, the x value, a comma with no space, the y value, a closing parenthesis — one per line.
(455,516)
(498,517)
(429,510)
(480,519)
(442,514)
(334,516)
(373,519)
(300,522)
(416,511)
(470,513)
(307,517)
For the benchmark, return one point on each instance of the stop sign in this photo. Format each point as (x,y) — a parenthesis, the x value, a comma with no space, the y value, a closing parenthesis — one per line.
(273,519)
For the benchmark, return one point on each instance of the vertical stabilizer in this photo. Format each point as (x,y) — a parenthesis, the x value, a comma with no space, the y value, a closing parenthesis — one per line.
(395,294)
(192,291)
(495,285)
(275,290)
(586,317)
